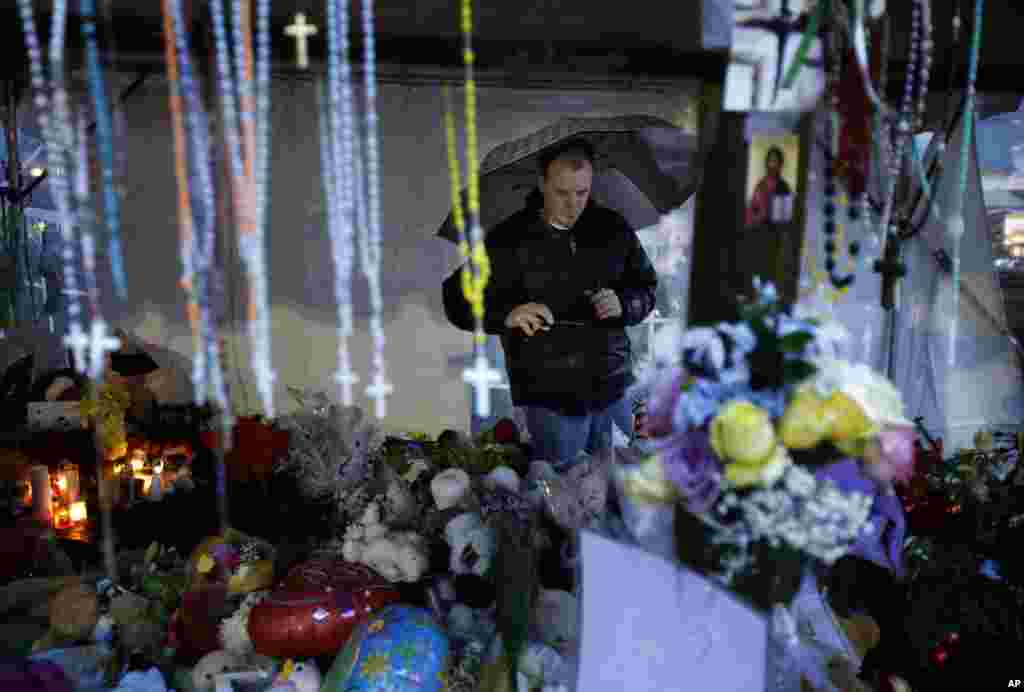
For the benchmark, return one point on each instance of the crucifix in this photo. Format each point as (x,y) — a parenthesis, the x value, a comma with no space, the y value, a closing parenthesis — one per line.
(482,377)
(301,31)
(100,344)
(78,342)
(379,391)
(785,24)
(892,269)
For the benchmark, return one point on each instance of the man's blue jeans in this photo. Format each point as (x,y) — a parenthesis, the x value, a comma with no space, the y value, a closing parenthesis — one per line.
(558,439)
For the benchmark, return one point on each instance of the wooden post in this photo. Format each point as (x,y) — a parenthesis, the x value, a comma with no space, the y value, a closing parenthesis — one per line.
(725,259)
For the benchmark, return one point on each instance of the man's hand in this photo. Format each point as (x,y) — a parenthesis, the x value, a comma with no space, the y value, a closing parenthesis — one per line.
(606,304)
(531,318)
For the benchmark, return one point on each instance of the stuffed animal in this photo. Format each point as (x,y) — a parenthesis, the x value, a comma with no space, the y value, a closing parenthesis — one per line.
(74,612)
(473,544)
(395,555)
(219,662)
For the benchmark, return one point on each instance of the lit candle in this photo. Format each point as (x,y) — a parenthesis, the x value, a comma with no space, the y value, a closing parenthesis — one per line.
(70,482)
(41,495)
(78,512)
(156,490)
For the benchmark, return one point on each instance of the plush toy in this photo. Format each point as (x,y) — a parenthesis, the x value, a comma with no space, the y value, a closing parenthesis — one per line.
(503,477)
(473,544)
(74,612)
(580,494)
(243,563)
(219,662)
(395,555)
(450,488)
(301,676)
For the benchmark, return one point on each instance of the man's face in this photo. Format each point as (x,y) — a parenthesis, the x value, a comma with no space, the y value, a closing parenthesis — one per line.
(773,164)
(566,189)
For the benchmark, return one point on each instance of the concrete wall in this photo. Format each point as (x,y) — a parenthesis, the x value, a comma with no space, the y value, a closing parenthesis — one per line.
(430,394)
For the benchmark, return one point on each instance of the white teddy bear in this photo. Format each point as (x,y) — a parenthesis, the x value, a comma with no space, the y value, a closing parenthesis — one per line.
(395,555)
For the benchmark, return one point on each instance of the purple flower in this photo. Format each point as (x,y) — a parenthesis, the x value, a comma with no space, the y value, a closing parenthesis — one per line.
(691,466)
(226,556)
(884,545)
(662,402)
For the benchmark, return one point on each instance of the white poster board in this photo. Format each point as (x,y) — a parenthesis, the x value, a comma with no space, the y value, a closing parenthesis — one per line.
(649,626)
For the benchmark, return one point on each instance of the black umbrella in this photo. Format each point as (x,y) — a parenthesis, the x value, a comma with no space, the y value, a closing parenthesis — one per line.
(132,364)
(644,168)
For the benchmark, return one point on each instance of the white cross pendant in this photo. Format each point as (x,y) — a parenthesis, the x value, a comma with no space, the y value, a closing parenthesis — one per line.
(99,345)
(78,341)
(346,379)
(482,376)
(379,391)
(301,32)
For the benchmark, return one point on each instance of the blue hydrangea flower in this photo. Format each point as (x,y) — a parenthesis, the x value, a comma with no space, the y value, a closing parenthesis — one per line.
(697,404)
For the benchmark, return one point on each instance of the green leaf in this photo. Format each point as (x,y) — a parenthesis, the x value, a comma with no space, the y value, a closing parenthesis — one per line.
(796,342)
(797,370)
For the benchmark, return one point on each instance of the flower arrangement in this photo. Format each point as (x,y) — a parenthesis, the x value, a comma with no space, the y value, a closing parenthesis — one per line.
(106,406)
(776,451)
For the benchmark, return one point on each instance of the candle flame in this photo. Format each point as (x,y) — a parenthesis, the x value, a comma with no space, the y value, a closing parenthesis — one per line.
(78,513)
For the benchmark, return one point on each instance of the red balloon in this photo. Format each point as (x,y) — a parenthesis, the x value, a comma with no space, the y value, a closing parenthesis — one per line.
(316,608)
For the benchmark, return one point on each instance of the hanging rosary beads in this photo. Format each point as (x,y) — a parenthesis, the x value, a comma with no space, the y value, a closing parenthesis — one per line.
(197,213)
(66,154)
(379,388)
(241,122)
(105,145)
(476,272)
(956,224)
(336,136)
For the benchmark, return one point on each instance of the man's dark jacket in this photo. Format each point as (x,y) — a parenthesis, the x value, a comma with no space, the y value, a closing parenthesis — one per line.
(576,368)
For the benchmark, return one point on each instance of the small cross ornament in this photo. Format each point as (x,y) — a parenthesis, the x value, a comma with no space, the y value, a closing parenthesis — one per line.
(301,31)
(379,390)
(482,376)
(891,268)
(346,379)
(100,344)
(78,341)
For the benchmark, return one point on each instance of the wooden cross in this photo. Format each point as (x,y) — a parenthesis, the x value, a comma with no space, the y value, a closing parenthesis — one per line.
(301,32)
(379,390)
(891,268)
(482,376)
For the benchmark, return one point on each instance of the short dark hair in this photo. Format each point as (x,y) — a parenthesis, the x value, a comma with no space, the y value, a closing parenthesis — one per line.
(778,152)
(576,150)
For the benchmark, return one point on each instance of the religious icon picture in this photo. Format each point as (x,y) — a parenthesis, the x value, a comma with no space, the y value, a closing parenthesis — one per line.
(772,179)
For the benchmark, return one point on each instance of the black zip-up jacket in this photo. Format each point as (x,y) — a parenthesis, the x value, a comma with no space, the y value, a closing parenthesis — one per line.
(582,364)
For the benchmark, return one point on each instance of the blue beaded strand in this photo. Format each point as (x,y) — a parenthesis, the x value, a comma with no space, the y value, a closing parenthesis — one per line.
(105,145)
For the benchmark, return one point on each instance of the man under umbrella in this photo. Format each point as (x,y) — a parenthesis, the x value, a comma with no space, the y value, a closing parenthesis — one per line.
(568,276)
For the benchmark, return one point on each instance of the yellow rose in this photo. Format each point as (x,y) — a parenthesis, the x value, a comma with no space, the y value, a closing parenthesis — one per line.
(742,432)
(805,424)
(764,472)
(848,420)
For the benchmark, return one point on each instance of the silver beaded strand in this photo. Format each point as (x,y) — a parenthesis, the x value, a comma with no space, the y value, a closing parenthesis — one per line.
(379,388)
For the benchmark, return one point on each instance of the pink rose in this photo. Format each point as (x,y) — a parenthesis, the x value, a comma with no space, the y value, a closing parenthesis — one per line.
(891,458)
